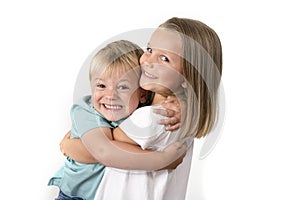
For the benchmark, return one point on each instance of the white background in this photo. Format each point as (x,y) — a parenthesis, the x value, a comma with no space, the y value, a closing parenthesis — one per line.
(43,45)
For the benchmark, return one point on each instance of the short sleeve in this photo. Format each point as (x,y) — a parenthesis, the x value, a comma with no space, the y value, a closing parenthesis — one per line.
(85,118)
(142,127)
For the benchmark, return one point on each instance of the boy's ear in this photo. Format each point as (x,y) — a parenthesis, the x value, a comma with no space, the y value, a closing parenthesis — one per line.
(184,84)
(144,96)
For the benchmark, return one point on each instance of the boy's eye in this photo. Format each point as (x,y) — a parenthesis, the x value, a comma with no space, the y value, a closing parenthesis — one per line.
(99,85)
(149,50)
(123,87)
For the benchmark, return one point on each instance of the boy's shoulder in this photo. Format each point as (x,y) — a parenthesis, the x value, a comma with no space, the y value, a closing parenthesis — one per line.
(85,102)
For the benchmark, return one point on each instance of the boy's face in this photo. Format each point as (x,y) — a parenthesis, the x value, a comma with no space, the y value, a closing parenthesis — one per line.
(116,96)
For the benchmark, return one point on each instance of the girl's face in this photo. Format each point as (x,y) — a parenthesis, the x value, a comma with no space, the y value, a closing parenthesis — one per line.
(115,97)
(162,63)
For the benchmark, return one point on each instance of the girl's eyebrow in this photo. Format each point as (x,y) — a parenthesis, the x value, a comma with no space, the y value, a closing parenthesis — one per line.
(164,51)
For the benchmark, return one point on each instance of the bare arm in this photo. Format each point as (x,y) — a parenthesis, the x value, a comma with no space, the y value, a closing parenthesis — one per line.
(119,135)
(112,153)
(75,149)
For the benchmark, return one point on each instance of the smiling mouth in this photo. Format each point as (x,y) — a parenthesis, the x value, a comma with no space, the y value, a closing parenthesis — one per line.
(112,107)
(149,75)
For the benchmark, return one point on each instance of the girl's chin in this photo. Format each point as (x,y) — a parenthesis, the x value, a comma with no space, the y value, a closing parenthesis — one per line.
(147,84)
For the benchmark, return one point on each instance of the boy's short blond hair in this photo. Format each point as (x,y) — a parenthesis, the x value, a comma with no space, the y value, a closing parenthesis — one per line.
(116,57)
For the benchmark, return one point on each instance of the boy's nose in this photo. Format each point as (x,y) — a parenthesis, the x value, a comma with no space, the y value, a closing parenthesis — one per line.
(111,93)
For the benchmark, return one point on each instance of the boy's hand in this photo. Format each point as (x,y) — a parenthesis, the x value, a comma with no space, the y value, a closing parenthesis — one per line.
(176,151)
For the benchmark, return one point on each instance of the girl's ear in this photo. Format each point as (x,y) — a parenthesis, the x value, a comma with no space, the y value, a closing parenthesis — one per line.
(184,84)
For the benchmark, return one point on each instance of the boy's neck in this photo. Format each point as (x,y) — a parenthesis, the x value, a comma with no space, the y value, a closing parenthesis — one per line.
(158,99)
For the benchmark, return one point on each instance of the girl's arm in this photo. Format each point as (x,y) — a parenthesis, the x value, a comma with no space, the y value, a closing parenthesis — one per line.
(75,149)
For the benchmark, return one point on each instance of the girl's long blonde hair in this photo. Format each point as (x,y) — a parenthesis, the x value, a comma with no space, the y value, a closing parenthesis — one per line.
(202,69)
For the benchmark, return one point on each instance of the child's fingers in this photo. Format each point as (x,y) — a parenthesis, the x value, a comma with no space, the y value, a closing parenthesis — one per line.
(171,106)
(166,113)
(169,121)
(171,99)
(61,144)
(173,127)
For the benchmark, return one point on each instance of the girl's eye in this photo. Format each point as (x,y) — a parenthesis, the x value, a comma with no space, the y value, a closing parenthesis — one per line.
(164,58)
(149,50)
(99,85)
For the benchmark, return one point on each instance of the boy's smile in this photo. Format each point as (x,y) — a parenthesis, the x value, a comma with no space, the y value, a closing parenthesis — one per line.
(116,97)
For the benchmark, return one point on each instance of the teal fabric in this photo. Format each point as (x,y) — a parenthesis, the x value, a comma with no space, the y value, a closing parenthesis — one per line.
(78,179)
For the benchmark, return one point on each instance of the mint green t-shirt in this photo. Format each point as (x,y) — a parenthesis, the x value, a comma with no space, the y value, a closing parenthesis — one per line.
(77,179)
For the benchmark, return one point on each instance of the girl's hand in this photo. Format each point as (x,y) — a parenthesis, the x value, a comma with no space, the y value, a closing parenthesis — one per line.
(74,148)
(172,111)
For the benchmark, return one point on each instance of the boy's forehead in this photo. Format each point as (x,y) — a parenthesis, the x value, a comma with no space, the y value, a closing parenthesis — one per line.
(121,74)
(166,40)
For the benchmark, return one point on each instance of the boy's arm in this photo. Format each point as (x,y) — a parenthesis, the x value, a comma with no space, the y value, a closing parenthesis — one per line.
(126,156)
(120,136)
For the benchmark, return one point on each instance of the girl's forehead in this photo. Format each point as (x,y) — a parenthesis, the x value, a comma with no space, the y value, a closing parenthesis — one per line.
(166,40)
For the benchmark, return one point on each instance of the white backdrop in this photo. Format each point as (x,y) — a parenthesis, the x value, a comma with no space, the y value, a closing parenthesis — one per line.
(43,45)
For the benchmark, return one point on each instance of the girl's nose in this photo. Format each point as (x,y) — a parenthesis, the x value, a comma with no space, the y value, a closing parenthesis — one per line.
(147,59)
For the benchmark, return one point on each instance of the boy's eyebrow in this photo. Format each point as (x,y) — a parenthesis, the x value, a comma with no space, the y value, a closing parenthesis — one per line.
(97,80)
(124,79)
(119,80)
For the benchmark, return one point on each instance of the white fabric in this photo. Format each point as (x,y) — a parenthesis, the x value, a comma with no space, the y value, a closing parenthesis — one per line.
(119,184)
